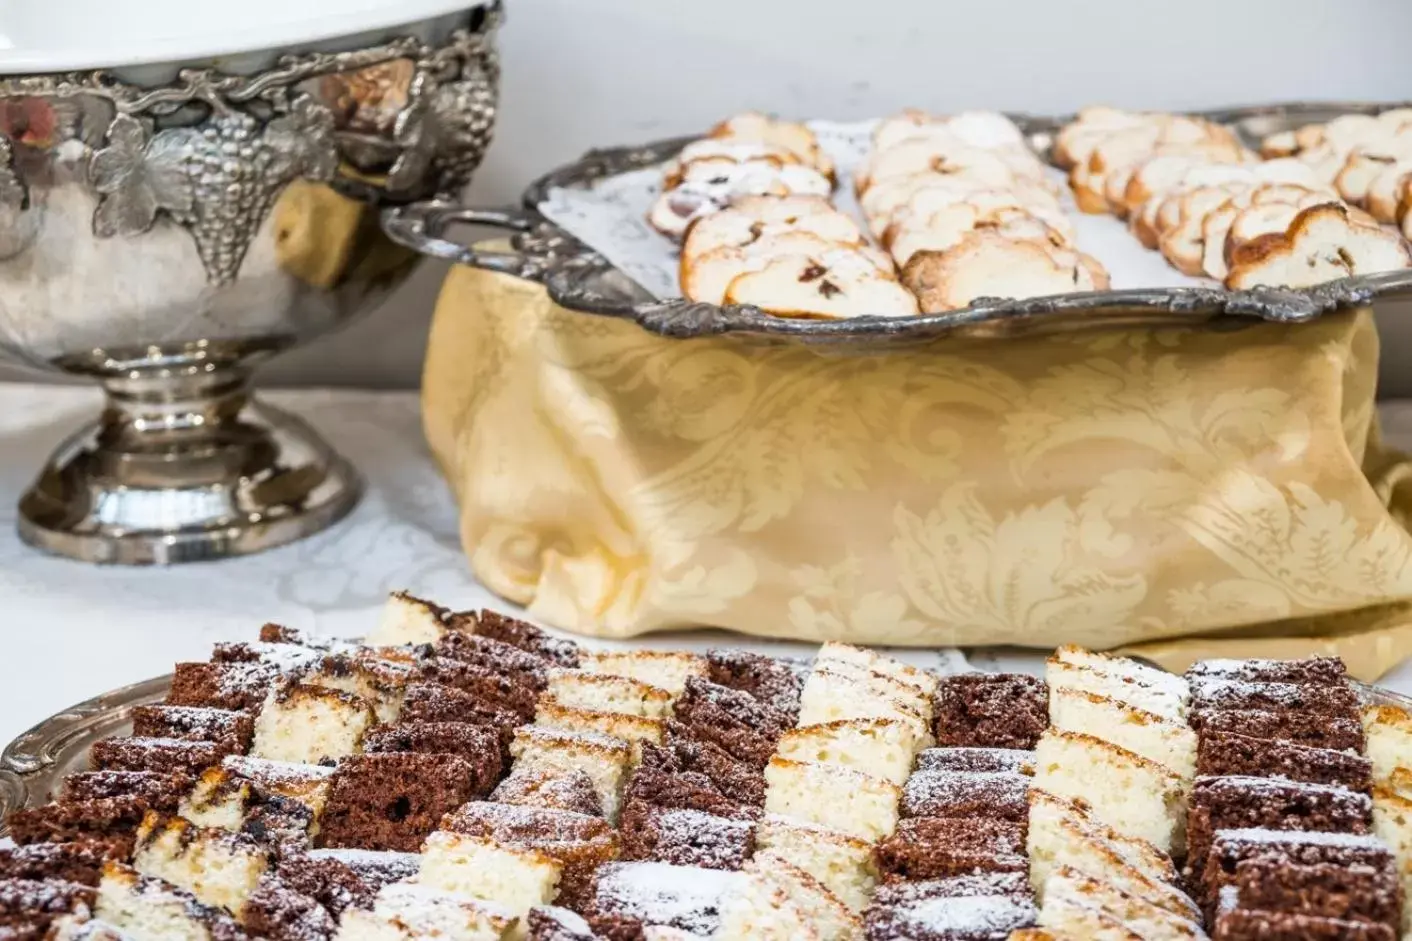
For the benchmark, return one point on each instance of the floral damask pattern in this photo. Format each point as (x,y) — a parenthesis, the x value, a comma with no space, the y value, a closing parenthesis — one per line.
(1105,488)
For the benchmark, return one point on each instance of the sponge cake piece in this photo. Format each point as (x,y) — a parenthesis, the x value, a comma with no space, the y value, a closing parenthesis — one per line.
(1135,796)
(604,759)
(1171,744)
(308,724)
(762,911)
(551,715)
(829,696)
(407,619)
(843,864)
(832,920)
(1389,735)
(1126,681)
(407,910)
(664,669)
(839,798)
(1069,888)
(145,908)
(833,653)
(217,867)
(222,795)
(516,878)
(883,748)
(601,692)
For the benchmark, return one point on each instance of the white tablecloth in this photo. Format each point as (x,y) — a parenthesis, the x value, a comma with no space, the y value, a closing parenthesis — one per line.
(70,630)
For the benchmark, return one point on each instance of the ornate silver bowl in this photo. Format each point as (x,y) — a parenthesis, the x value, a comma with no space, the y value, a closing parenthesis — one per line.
(164,229)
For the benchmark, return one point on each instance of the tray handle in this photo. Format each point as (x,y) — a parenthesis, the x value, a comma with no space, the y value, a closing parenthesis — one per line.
(536,245)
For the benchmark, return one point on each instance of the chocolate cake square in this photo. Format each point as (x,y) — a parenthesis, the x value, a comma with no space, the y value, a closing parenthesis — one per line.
(392,800)
(962,918)
(34,904)
(774,682)
(685,837)
(109,820)
(238,686)
(162,790)
(79,861)
(493,655)
(1302,728)
(1230,848)
(157,754)
(940,847)
(737,780)
(524,635)
(223,726)
(1244,924)
(339,879)
(739,724)
(991,710)
(1358,893)
(1310,671)
(432,702)
(630,895)
(277,912)
(1339,701)
(1236,803)
(997,795)
(1227,753)
(684,790)
(489,688)
(553,923)
(975,759)
(478,744)
(1012,884)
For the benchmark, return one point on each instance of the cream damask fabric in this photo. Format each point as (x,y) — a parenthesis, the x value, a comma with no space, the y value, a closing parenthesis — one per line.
(1111,489)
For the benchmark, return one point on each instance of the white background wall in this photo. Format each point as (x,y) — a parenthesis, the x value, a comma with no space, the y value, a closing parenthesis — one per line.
(584,73)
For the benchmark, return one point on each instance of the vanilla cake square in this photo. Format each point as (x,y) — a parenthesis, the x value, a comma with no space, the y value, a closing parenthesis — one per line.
(1389,739)
(831,796)
(664,669)
(1169,743)
(551,715)
(602,692)
(881,685)
(408,910)
(843,864)
(862,658)
(1135,796)
(218,867)
(829,696)
(309,724)
(1163,694)
(407,619)
(761,911)
(832,920)
(883,748)
(1068,887)
(604,759)
(514,877)
(146,908)
(222,795)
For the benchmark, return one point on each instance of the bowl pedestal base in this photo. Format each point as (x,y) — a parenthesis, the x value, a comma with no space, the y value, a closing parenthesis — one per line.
(183,468)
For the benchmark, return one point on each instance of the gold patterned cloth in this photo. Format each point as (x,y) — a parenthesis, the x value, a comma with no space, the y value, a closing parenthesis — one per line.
(1176,493)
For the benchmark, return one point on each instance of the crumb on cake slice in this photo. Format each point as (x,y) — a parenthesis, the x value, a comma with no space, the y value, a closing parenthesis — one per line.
(832,920)
(514,877)
(218,867)
(1135,796)
(829,696)
(602,692)
(883,748)
(840,798)
(407,619)
(308,724)
(604,759)
(1169,743)
(664,669)
(843,864)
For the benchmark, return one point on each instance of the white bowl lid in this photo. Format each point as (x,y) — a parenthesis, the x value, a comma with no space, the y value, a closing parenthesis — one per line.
(64,35)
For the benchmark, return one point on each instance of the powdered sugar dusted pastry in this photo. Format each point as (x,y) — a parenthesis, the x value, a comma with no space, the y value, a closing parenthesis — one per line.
(707,277)
(987,264)
(754,218)
(1321,244)
(757,127)
(713,183)
(945,229)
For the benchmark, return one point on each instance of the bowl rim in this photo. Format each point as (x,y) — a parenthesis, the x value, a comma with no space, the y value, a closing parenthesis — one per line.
(299,32)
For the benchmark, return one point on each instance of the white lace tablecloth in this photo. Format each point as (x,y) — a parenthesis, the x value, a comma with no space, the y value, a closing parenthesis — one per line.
(69,631)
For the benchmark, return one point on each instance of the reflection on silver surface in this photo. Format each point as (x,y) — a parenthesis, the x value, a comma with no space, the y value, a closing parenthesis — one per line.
(165,240)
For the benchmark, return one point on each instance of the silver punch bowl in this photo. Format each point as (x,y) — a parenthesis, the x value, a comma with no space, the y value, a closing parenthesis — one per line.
(165,227)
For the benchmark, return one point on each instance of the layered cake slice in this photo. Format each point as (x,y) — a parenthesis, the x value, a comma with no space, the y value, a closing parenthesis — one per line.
(989,905)
(1148,690)
(1169,743)
(524,636)
(883,748)
(232,686)
(1020,761)
(513,877)
(762,911)
(601,692)
(774,682)
(1230,848)
(160,755)
(309,724)
(1215,693)
(1312,671)
(843,864)
(477,744)
(1353,893)
(862,658)
(1135,796)
(150,909)
(738,723)
(664,669)
(551,715)
(1301,728)
(227,726)
(831,796)
(225,795)
(990,710)
(604,759)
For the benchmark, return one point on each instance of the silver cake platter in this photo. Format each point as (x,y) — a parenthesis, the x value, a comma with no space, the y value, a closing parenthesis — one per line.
(167,226)
(34,765)
(581,279)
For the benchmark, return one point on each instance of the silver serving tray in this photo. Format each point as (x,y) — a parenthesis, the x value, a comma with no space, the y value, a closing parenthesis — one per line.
(34,765)
(581,279)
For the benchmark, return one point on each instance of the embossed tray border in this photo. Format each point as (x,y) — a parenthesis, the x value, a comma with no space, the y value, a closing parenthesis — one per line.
(580,279)
(33,765)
